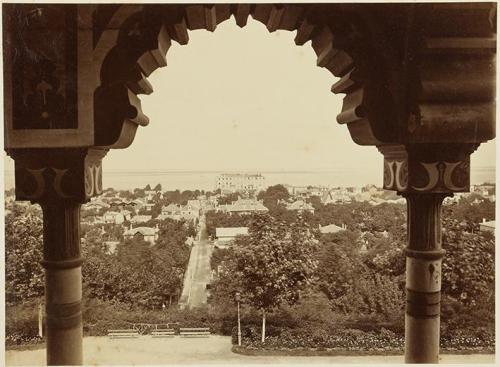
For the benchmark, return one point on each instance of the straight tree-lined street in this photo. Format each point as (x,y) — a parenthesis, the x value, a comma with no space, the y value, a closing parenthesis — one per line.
(194,290)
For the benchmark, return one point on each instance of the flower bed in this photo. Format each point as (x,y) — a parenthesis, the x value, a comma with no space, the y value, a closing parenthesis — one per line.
(318,338)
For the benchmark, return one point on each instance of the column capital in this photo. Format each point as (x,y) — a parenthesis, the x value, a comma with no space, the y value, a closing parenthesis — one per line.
(59,174)
(427,168)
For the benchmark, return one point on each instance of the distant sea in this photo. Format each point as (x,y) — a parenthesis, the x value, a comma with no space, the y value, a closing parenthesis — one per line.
(205,180)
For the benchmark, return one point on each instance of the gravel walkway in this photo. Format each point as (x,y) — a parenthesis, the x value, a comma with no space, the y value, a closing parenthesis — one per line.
(212,350)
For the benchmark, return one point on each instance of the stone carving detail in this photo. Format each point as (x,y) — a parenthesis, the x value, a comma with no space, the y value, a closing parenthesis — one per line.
(67,175)
(44,68)
(93,180)
(388,174)
(457,176)
(33,184)
(39,182)
(442,175)
(127,60)
(395,175)
(439,176)
(45,105)
(401,175)
(428,178)
(58,183)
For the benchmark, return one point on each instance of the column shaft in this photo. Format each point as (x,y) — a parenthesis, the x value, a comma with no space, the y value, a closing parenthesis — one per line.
(63,282)
(423,277)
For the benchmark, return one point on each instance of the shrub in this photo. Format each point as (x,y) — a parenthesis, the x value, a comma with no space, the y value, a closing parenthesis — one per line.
(21,326)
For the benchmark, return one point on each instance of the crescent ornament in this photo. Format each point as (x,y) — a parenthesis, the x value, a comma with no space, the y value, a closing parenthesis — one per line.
(447,177)
(40,183)
(58,181)
(98,179)
(389,174)
(433,174)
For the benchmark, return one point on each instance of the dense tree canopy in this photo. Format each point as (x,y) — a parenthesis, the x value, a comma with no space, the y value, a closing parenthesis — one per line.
(472,210)
(278,262)
(271,266)
(272,195)
(23,252)
(138,273)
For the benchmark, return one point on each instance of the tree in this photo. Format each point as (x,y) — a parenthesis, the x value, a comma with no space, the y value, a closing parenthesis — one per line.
(469,269)
(156,209)
(272,265)
(340,263)
(472,210)
(218,256)
(23,252)
(272,195)
(126,194)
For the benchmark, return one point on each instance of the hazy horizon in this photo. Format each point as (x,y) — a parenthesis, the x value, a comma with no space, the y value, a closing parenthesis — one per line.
(123,179)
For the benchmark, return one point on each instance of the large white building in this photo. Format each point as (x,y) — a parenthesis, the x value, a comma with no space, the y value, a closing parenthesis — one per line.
(240,182)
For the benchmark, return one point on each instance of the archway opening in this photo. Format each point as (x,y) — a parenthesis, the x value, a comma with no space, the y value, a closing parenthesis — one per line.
(251,101)
(246,101)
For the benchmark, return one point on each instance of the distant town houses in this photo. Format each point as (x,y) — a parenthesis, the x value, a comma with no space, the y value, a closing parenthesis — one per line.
(139,204)
(243,206)
(113,217)
(147,234)
(240,182)
(298,191)
(485,190)
(335,197)
(136,219)
(96,204)
(171,211)
(300,206)
(190,212)
(331,228)
(127,214)
(225,236)
(138,207)
(342,195)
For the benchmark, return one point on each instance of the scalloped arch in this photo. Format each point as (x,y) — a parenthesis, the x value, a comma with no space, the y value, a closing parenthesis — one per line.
(134,42)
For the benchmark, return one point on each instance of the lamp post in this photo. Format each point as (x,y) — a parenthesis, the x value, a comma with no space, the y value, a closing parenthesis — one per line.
(237,297)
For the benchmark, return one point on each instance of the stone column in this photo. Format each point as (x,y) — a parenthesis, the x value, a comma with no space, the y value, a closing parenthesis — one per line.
(425,174)
(423,277)
(60,180)
(63,282)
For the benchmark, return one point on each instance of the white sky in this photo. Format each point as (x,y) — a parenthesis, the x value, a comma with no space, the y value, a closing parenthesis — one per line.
(246,99)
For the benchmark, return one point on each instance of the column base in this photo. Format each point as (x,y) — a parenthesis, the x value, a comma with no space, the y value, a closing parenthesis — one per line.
(421,339)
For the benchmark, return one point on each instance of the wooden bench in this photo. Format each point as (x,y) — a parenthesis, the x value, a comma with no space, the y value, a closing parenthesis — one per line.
(194,331)
(123,333)
(163,333)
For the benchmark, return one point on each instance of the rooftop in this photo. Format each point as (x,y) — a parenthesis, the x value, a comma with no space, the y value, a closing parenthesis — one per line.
(231,232)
